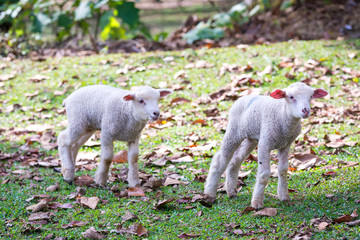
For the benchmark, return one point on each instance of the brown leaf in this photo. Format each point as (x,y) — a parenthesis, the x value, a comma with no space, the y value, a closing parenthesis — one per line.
(90,202)
(199,64)
(38,78)
(199,214)
(57,205)
(185,159)
(200,121)
(39,216)
(74,224)
(121,157)
(91,233)
(187,236)
(171,181)
(323,226)
(7,77)
(212,112)
(247,210)
(337,144)
(270,212)
(160,162)
(162,203)
(53,188)
(353,223)
(129,216)
(179,100)
(153,183)
(38,207)
(306,161)
(136,192)
(138,229)
(84,180)
(346,218)
(329,174)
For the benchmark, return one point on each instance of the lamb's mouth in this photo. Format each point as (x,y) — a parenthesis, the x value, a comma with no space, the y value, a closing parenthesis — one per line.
(154,118)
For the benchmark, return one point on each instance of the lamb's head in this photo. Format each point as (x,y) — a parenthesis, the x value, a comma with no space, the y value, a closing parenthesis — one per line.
(298,96)
(145,102)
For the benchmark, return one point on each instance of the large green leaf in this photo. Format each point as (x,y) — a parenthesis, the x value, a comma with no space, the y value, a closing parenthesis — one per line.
(105,19)
(40,20)
(128,13)
(203,31)
(83,10)
(222,19)
(64,21)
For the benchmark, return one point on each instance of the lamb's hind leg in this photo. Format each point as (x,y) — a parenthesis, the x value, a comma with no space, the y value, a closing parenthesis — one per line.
(66,139)
(220,161)
(76,146)
(232,170)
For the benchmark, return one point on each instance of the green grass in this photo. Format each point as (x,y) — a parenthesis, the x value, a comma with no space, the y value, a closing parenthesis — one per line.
(170,19)
(307,202)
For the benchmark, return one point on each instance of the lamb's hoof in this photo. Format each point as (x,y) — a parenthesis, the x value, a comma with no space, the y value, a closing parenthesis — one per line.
(283,197)
(68,181)
(257,204)
(231,193)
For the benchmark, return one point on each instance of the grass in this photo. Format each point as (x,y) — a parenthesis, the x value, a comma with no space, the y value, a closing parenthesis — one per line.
(307,202)
(169,19)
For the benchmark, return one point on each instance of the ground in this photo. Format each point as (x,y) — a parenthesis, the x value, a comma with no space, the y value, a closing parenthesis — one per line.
(177,150)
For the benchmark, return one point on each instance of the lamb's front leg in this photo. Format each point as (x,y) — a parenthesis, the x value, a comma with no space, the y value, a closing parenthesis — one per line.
(133,155)
(262,177)
(107,154)
(282,191)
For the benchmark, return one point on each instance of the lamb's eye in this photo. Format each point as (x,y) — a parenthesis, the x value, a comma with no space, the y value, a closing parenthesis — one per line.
(292,98)
(142,101)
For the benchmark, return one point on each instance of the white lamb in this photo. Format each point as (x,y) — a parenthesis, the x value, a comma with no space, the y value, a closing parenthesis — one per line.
(271,122)
(119,114)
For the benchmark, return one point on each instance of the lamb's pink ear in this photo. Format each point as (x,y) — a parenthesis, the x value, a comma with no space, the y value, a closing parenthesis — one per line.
(129,97)
(277,94)
(319,93)
(165,92)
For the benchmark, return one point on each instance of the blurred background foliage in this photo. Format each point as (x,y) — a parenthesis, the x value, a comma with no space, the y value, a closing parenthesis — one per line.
(35,22)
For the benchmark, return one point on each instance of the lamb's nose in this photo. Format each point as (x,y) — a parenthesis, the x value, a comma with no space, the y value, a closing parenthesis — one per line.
(306,111)
(156,113)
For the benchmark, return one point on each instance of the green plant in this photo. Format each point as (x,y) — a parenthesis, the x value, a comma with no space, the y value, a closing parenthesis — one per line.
(115,19)
(214,28)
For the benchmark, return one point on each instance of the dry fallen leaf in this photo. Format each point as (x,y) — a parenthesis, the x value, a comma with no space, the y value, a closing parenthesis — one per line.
(74,224)
(39,216)
(38,207)
(129,216)
(247,210)
(353,223)
(121,157)
(323,226)
(53,188)
(38,78)
(138,229)
(185,159)
(91,233)
(171,181)
(179,100)
(187,236)
(136,192)
(84,180)
(162,203)
(90,202)
(270,212)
